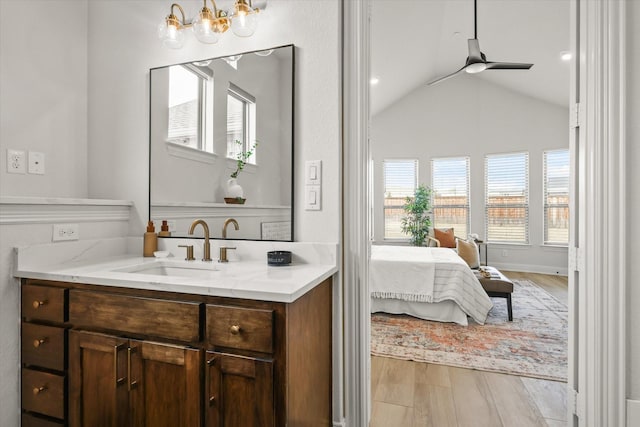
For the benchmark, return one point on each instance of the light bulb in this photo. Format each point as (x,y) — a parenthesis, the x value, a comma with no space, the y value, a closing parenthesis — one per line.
(203,27)
(244,19)
(476,68)
(172,35)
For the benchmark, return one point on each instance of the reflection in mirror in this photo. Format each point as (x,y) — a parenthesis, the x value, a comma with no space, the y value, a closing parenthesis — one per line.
(213,119)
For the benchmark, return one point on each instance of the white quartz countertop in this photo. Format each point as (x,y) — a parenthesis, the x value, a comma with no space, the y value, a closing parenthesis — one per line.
(247,278)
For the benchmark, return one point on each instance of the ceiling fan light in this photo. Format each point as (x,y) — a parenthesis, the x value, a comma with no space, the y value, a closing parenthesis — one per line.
(476,68)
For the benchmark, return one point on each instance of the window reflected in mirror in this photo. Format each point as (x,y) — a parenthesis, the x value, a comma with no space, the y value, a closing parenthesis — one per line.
(241,123)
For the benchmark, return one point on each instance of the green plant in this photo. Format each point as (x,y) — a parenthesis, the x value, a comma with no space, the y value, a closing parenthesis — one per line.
(416,222)
(242,157)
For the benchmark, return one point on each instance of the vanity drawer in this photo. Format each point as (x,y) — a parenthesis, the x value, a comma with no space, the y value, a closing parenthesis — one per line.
(241,328)
(29,420)
(44,303)
(146,316)
(43,346)
(43,393)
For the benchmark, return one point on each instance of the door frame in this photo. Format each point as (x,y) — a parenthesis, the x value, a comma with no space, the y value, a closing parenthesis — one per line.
(598,252)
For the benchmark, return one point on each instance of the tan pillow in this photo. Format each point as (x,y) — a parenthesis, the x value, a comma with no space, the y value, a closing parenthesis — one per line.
(468,251)
(445,236)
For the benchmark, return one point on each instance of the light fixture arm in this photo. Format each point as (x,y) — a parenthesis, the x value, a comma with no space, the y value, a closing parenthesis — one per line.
(184,20)
(215,8)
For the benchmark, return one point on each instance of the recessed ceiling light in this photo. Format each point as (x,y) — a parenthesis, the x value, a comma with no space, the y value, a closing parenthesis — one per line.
(374,81)
(565,56)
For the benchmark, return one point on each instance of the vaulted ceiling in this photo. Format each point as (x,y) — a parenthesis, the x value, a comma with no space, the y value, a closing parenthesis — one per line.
(416,41)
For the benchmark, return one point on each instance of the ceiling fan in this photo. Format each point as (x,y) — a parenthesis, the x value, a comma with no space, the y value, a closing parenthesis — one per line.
(477,61)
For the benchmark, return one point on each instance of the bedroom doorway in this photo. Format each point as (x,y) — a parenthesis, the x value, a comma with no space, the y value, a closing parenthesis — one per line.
(598,282)
(400,125)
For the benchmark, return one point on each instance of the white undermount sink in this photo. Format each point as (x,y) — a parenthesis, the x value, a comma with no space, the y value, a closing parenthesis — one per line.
(175,269)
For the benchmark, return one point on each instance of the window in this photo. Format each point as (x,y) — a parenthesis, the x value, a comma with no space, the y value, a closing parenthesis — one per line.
(400,181)
(241,123)
(190,112)
(450,194)
(556,197)
(507,198)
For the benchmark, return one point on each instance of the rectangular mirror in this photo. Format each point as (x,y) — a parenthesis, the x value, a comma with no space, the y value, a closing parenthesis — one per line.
(221,144)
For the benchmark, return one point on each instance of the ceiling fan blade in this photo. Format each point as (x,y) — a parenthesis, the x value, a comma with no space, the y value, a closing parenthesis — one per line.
(474,51)
(448,76)
(508,66)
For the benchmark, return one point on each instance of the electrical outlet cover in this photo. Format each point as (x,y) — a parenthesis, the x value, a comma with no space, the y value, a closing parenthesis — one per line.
(36,162)
(15,161)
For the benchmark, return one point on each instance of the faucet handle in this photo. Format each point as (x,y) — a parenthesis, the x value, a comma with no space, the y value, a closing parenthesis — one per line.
(190,256)
(223,254)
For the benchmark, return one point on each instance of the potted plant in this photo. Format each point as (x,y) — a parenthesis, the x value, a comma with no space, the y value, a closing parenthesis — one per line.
(234,190)
(416,223)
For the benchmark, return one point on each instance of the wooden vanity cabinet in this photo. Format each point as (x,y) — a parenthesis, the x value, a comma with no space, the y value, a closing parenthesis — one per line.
(148,358)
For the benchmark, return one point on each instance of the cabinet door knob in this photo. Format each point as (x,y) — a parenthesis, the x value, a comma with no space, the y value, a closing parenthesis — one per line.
(212,400)
(38,390)
(37,304)
(234,329)
(38,343)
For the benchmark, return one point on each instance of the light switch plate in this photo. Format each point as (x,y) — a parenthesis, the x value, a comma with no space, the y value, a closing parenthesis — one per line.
(312,198)
(313,172)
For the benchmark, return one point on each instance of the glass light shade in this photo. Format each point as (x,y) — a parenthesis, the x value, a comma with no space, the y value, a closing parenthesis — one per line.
(476,68)
(204,28)
(244,20)
(172,36)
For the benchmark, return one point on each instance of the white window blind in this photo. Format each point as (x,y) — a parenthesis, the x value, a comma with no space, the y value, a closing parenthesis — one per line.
(450,193)
(400,181)
(556,197)
(507,198)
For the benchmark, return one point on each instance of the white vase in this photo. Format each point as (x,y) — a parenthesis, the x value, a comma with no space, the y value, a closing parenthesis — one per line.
(234,189)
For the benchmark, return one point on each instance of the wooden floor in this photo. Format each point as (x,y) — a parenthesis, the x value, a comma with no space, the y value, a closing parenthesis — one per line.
(406,393)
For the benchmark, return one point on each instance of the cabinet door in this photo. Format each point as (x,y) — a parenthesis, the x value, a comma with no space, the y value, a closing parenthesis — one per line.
(240,391)
(165,385)
(97,380)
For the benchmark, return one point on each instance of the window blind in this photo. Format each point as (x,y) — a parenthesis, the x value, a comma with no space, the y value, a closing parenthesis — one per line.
(450,193)
(507,198)
(400,181)
(556,197)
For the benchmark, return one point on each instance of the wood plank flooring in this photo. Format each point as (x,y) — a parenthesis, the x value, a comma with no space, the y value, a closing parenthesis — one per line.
(412,394)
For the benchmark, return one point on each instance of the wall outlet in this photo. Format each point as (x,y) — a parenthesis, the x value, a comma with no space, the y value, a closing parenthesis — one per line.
(36,162)
(15,161)
(65,232)
(505,253)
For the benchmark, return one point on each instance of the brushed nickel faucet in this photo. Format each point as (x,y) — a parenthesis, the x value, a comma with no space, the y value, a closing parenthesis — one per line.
(207,245)
(226,224)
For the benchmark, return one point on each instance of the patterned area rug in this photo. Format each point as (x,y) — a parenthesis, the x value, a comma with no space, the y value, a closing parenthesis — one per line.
(533,345)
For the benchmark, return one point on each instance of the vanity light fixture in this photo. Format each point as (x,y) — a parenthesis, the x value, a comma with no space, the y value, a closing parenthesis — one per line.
(208,26)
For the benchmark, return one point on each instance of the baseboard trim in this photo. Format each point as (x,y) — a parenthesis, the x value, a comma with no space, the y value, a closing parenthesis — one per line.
(633,413)
(529,268)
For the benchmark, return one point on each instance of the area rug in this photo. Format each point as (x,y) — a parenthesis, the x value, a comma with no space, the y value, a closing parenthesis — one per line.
(533,345)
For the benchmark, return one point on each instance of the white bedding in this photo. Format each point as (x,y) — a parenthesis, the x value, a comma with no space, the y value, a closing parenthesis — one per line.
(415,280)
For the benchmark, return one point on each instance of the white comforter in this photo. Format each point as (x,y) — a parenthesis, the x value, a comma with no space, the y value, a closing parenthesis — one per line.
(431,275)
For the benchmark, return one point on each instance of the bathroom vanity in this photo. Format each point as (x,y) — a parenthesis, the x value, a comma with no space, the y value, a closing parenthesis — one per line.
(143,353)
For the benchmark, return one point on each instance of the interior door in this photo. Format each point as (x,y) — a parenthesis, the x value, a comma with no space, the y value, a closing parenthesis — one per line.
(97,380)
(164,384)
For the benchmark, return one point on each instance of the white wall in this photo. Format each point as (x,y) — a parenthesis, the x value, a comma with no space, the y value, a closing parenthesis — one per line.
(43,82)
(468,116)
(119,63)
(633,199)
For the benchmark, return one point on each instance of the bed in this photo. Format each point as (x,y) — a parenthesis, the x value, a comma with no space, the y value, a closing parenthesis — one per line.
(428,283)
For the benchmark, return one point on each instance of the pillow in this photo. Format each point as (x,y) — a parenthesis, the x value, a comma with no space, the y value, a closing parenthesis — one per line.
(445,236)
(468,251)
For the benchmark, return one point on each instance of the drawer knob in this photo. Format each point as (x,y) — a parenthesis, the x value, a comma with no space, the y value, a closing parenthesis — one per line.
(234,329)
(212,400)
(38,343)
(37,304)
(38,390)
